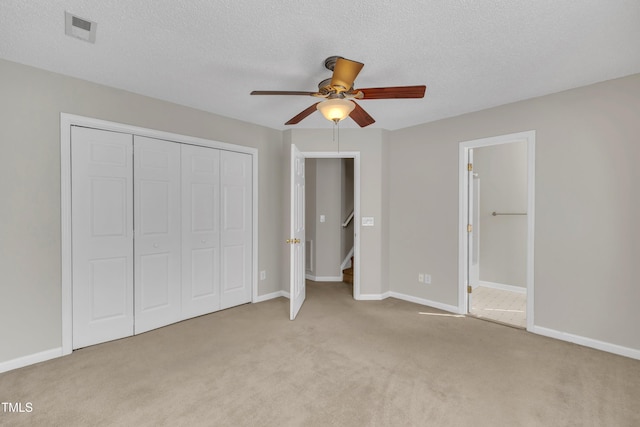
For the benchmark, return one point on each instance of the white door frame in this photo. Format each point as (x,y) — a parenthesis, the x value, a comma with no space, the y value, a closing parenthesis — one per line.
(69,120)
(463,159)
(355,155)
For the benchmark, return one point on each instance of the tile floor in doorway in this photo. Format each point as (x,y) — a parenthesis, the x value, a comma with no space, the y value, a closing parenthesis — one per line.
(499,305)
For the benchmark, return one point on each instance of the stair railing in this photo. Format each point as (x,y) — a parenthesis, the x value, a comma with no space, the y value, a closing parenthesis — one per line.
(347,221)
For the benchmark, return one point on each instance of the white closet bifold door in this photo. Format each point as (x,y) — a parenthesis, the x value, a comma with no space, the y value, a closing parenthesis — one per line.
(236,228)
(102,235)
(157,224)
(200,230)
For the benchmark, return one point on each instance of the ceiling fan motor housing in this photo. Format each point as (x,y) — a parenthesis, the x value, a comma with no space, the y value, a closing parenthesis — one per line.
(324,87)
(330,62)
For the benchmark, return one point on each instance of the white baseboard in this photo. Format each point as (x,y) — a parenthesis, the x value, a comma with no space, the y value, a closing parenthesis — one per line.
(373,297)
(272,295)
(404,297)
(428,303)
(502,286)
(30,359)
(323,278)
(587,342)
(285,294)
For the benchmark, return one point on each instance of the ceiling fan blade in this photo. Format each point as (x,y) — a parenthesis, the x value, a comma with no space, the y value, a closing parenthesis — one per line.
(392,92)
(281,92)
(344,74)
(361,117)
(298,118)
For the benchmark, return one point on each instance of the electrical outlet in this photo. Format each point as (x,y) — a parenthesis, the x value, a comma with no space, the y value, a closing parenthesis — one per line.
(427,279)
(420,277)
(263,275)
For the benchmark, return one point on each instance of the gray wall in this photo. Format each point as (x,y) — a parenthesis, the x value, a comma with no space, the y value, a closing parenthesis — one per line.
(586,199)
(30,234)
(502,170)
(327,238)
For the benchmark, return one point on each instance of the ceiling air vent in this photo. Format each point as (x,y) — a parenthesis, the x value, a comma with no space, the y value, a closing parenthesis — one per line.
(80,28)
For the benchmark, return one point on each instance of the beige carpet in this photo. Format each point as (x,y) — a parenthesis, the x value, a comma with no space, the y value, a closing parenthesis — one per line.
(341,363)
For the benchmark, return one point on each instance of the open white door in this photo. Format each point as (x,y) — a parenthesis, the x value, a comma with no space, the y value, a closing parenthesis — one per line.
(472,256)
(474,265)
(297,235)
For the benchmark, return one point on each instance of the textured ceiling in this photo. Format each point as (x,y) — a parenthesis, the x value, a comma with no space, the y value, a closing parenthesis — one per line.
(209,54)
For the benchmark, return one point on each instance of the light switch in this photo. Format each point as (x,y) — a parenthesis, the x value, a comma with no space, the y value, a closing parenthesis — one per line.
(322,218)
(367,221)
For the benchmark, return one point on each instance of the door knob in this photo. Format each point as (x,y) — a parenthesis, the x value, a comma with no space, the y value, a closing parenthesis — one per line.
(296,240)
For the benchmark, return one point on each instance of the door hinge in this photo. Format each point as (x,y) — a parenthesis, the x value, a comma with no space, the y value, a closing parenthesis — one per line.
(469,228)
(469,289)
(469,167)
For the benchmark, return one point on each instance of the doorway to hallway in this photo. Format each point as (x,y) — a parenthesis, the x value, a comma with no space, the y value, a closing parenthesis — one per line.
(298,201)
(329,220)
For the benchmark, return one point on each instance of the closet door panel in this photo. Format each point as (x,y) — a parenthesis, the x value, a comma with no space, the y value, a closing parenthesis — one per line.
(102,236)
(236,228)
(157,233)
(200,230)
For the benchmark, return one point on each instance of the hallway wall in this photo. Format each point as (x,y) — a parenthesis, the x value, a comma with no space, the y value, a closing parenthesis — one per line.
(323,198)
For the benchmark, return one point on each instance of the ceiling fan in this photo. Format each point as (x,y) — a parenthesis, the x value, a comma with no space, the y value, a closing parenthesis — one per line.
(340,95)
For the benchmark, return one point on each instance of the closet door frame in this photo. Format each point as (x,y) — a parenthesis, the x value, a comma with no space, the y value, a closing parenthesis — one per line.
(67,121)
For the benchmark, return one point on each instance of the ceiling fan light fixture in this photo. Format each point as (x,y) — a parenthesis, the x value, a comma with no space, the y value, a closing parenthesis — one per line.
(336,109)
